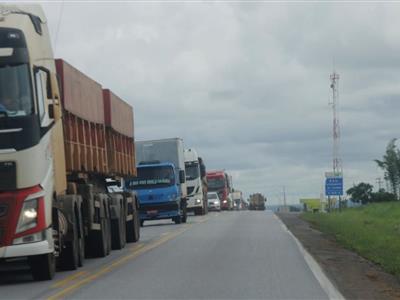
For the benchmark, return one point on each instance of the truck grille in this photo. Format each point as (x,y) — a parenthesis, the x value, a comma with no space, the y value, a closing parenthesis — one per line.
(8,175)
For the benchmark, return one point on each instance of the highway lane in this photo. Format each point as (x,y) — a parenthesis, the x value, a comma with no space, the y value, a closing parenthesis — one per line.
(231,255)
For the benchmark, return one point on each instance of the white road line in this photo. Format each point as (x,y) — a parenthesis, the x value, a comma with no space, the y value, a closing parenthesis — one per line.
(332,292)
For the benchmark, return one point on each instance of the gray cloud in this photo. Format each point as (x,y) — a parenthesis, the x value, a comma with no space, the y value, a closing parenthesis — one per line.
(248,84)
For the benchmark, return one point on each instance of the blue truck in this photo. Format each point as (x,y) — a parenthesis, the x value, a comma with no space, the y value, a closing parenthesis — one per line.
(161,182)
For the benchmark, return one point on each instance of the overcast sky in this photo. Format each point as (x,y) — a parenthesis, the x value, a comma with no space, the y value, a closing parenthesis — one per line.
(247,84)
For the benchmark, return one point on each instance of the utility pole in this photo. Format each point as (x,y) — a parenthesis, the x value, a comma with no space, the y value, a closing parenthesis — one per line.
(336,159)
(284,198)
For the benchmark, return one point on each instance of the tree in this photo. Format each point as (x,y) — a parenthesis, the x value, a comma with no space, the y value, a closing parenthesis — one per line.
(390,164)
(361,192)
(382,196)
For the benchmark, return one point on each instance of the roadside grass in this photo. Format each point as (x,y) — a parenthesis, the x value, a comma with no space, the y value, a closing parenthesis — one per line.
(373,231)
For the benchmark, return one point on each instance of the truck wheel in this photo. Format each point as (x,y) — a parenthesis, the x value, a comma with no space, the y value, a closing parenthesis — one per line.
(133,228)
(43,267)
(108,236)
(70,254)
(118,232)
(99,242)
(177,219)
(184,215)
(141,223)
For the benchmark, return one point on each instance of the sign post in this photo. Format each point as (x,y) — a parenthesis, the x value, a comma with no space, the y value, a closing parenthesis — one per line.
(333,187)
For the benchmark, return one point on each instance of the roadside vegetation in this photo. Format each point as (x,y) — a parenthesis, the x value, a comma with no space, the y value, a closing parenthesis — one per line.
(372,230)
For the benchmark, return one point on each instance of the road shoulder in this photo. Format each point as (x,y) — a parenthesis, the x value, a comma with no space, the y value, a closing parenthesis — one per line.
(354,276)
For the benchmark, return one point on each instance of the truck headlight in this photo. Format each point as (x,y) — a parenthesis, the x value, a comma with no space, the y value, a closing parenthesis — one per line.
(216,203)
(28,215)
(198,201)
(224,201)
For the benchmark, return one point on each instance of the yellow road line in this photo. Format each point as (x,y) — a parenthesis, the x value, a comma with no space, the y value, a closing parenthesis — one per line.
(136,252)
(67,279)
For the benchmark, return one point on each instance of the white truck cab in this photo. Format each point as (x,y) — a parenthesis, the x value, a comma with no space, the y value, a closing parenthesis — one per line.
(196,201)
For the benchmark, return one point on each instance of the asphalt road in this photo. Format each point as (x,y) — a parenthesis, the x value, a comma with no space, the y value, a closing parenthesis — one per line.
(229,255)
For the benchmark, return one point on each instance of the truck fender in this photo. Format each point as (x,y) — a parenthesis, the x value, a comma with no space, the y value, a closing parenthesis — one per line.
(116,201)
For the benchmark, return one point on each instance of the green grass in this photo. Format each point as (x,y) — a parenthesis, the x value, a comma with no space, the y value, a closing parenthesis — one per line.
(373,231)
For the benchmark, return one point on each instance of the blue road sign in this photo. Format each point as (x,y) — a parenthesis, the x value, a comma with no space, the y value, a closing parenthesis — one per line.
(334,186)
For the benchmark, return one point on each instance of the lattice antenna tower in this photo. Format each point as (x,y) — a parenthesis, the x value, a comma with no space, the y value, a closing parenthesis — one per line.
(337,161)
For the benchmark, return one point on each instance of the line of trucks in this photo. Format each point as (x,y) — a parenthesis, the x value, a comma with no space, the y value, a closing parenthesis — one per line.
(73,181)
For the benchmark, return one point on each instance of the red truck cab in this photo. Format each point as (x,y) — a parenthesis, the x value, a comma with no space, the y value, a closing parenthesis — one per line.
(218,182)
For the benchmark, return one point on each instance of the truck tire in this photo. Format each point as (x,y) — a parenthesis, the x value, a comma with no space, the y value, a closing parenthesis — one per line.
(141,223)
(184,215)
(99,239)
(118,231)
(71,255)
(43,267)
(133,228)
(177,219)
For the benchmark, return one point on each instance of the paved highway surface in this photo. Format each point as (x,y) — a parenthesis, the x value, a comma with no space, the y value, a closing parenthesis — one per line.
(231,255)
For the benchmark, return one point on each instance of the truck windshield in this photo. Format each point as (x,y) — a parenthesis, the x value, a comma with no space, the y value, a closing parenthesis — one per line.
(192,170)
(152,177)
(15,91)
(215,183)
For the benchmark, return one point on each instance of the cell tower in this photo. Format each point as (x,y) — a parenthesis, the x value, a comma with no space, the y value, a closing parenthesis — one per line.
(337,161)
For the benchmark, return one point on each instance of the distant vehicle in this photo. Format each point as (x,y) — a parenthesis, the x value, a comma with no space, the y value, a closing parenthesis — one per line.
(197,200)
(237,199)
(257,202)
(214,202)
(161,180)
(218,181)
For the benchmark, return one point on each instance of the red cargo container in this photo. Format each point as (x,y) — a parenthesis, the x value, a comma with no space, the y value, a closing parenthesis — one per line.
(83,121)
(82,96)
(120,153)
(118,114)
(90,145)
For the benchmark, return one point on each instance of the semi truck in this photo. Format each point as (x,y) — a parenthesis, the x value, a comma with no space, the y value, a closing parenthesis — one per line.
(218,181)
(257,202)
(196,188)
(161,181)
(59,154)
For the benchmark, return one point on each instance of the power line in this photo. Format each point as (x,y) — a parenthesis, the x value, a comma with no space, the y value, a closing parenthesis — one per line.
(58,26)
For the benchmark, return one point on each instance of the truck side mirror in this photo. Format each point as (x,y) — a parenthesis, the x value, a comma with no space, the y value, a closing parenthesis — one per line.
(55,111)
(182,176)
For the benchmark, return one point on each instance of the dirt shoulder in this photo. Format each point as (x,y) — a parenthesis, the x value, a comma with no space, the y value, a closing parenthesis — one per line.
(354,276)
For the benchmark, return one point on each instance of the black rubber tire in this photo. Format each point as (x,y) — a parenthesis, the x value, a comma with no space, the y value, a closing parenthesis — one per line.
(69,257)
(133,228)
(184,215)
(141,223)
(136,230)
(81,244)
(118,233)
(98,242)
(108,235)
(177,220)
(43,267)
